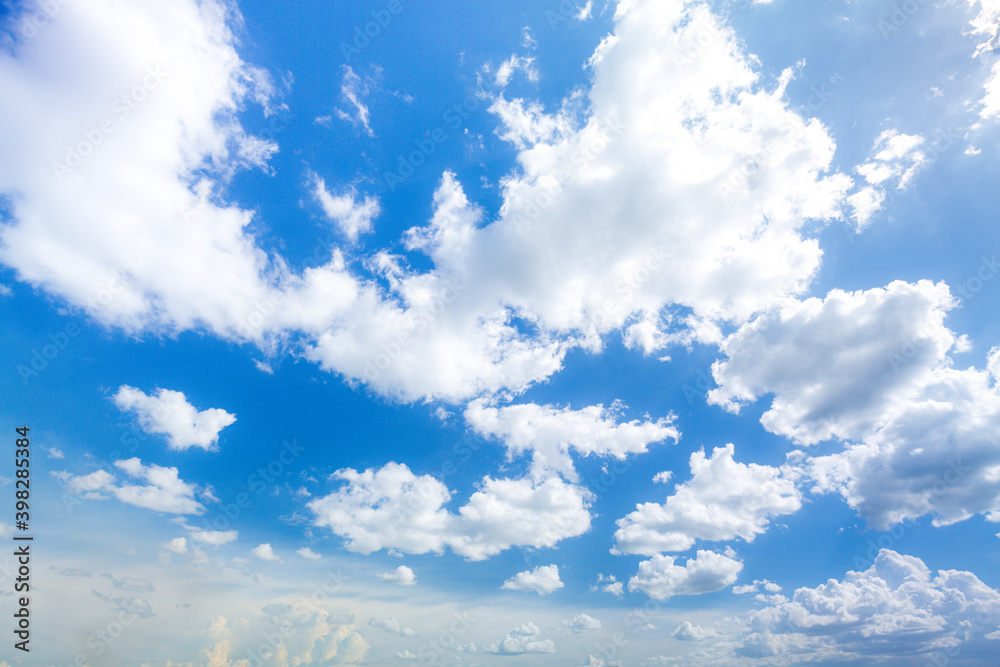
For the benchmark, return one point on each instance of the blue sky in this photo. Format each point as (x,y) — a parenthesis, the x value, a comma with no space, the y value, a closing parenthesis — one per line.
(587,334)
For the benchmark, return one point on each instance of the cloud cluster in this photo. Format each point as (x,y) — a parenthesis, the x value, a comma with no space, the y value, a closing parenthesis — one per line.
(392,508)
(722,501)
(873,368)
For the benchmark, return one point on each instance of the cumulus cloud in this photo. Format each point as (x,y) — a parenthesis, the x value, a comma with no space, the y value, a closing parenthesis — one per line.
(660,578)
(689,632)
(549,433)
(524,639)
(265,552)
(170,414)
(542,580)
(873,368)
(352,215)
(837,365)
(308,554)
(178,545)
(581,623)
(391,508)
(705,232)
(402,575)
(164,491)
(609,584)
(896,607)
(723,500)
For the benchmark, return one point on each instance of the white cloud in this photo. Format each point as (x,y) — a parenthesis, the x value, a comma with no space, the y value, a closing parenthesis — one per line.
(663,170)
(723,500)
(55,453)
(897,606)
(581,623)
(757,585)
(164,491)
(836,366)
(393,627)
(549,433)
(514,64)
(894,156)
(402,576)
(872,368)
(169,413)
(542,580)
(524,639)
(115,210)
(352,215)
(391,508)
(689,632)
(609,584)
(308,554)
(214,537)
(178,545)
(265,552)
(352,89)
(660,578)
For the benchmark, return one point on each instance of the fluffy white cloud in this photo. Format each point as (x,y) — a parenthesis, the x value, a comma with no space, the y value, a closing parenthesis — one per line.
(308,554)
(265,552)
(353,216)
(723,500)
(178,545)
(542,580)
(402,575)
(114,208)
(581,623)
(169,413)
(689,632)
(660,578)
(387,508)
(164,491)
(688,193)
(524,639)
(897,606)
(873,368)
(837,366)
(392,626)
(391,508)
(549,433)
